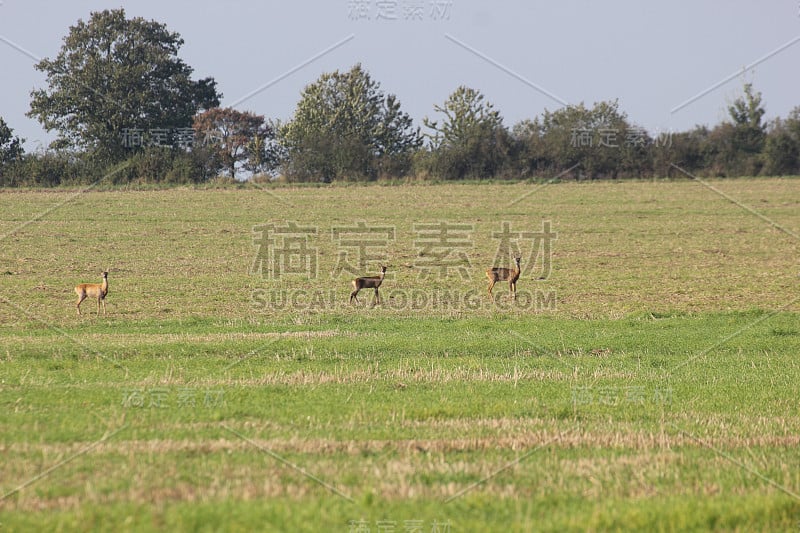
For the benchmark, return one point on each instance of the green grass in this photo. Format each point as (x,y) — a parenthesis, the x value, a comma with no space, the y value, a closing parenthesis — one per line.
(655,388)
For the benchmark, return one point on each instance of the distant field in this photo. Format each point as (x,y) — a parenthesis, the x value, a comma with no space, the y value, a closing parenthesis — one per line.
(648,380)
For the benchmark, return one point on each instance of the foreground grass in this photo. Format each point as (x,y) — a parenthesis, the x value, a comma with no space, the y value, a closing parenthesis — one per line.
(658,391)
(557,423)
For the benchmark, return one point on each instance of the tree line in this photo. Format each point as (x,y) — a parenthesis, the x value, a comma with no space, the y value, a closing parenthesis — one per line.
(126,109)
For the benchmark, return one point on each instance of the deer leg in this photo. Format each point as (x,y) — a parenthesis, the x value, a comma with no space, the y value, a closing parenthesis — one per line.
(80,299)
(354,296)
(491,285)
(512,286)
(377,296)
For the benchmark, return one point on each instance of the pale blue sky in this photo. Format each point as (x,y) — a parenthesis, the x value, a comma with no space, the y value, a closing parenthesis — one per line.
(524,56)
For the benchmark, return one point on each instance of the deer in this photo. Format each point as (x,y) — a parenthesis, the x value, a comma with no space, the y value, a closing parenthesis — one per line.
(511,275)
(93,290)
(369,282)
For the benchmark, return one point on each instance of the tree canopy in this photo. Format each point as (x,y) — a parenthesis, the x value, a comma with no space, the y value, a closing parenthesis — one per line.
(235,137)
(345,127)
(470,141)
(115,75)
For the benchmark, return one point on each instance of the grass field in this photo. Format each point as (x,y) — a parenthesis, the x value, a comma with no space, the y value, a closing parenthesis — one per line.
(648,381)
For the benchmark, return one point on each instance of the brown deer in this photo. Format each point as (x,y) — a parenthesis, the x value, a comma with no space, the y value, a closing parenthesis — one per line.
(370,282)
(93,290)
(504,274)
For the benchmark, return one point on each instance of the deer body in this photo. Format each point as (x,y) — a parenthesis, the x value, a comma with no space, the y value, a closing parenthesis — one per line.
(370,282)
(93,290)
(511,275)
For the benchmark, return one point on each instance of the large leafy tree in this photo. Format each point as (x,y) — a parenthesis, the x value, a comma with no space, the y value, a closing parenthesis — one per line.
(470,140)
(236,138)
(114,74)
(345,127)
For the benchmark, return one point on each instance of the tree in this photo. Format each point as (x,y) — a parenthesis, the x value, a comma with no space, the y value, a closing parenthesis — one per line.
(11,149)
(738,143)
(11,152)
(691,151)
(746,113)
(470,141)
(113,75)
(465,113)
(529,154)
(600,140)
(782,147)
(235,138)
(344,127)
